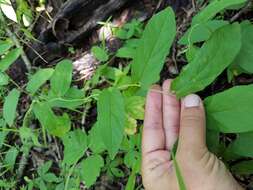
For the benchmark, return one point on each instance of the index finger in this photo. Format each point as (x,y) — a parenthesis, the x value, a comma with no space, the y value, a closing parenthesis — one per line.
(153,138)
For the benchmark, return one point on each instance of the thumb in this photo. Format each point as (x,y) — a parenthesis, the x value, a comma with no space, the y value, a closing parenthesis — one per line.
(192,134)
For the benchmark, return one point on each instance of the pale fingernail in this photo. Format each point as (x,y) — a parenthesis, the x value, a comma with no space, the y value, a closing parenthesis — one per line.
(191,101)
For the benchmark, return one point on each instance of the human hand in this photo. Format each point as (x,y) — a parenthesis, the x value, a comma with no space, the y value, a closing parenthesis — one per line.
(166,120)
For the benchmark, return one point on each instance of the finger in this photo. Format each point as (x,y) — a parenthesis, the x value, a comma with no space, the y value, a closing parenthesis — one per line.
(153,135)
(171,115)
(192,125)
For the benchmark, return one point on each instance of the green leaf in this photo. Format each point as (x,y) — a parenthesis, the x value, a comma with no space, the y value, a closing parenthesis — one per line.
(75,144)
(27,135)
(5,46)
(213,141)
(10,106)
(215,55)
(73,98)
(243,145)
(50,177)
(243,168)
(100,53)
(56,125)
(130,125)
(191,52)
(213,8)
(4,79)
(8,10)
(116,172)
(126,52)
(90,169)
(132,160)
(244,60)
(201,32)
(111,119)
(9,59)
(95,143)
(44,168)
(135,107)
(38,79)
(153,48)
(10,157)
(230,111)
(62,77)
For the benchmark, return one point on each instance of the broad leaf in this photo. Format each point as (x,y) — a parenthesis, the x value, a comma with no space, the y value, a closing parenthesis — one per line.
(75,144)
(201,32)
(8,10)
(27,135)
(231,111)
(62,77)
(9,59)
(111,119)
(213,8)
(10,106)
(126,52)
(243,145)
(5,45)
(153,48)
(214,56)
(95,142)
(135,107)
(10,158)
(56,125)
(244,60)
(99,53)
(38,79)
(90,169)
(243,168)
(72,99)
(4,79)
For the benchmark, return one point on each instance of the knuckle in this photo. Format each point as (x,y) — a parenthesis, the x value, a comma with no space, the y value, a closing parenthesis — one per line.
(192,118)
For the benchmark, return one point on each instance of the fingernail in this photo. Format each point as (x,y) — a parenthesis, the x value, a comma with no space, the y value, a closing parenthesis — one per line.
(191,101)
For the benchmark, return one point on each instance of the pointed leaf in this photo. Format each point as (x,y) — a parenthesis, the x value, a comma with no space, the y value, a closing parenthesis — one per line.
(244,60)
(213,8)
(231,111)
(153,48)
(4,79)
(5,45)
(10,106)
(201,32)
(38,79)
(62,77)
(90,169)
(8,10)
(243,168)
(56,125)
(75,144)
(210,61)
(111,119)
(9,59)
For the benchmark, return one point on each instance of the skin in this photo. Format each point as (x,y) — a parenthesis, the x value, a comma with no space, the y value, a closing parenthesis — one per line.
(166,120)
